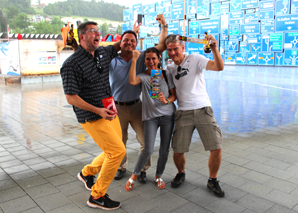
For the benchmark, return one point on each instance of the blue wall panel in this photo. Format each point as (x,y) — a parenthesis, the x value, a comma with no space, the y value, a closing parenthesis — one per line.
(252,32)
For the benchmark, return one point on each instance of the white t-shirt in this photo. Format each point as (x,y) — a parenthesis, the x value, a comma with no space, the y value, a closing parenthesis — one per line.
(190,83)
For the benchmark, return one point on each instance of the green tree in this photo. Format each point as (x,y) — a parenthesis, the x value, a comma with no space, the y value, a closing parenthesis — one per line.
(11,12)
(43,27)
(119,29)
(21,21)
(17,30)
(3,22)
(85,20)
(57,24)
(104,29)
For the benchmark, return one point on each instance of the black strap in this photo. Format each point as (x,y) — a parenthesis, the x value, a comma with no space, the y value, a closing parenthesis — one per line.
(165,76)
(166,79)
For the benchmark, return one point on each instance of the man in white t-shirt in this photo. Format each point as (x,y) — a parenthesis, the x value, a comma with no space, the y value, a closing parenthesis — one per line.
(194,108)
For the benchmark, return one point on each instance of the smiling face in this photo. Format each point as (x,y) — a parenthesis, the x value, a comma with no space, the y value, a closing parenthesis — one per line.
(128,43)
(151,61)
(90,40)
(175,52)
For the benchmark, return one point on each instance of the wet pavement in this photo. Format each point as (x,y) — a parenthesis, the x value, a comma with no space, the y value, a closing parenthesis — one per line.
(42,148)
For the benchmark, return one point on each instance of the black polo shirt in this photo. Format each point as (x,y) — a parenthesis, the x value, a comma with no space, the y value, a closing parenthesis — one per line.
(81,77)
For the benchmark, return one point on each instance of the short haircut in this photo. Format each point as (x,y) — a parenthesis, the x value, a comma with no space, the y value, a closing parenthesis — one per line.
(129,31)
(173,38)
(83,27)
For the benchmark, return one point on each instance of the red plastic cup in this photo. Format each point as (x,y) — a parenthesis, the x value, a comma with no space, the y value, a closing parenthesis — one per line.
(109,104)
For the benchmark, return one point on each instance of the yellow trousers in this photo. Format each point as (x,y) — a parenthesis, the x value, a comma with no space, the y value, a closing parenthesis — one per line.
(108,136)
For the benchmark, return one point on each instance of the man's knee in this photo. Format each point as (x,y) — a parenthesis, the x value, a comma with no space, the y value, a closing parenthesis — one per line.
(178,155)
(215,153)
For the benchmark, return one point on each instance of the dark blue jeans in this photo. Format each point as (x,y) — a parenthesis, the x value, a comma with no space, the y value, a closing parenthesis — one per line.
(166,124)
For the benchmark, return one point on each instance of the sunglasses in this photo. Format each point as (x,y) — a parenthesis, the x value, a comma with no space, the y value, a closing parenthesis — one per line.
(98,65)
(178,69)
(92,30)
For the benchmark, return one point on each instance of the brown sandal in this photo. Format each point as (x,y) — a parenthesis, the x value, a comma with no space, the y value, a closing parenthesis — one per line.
(160,184)
(129,185)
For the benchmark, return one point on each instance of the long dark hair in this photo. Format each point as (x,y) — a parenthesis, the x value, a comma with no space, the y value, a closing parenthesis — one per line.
(154,50)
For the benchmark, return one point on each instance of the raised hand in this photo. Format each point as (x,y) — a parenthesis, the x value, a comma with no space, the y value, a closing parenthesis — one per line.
(136,27)
(161,19)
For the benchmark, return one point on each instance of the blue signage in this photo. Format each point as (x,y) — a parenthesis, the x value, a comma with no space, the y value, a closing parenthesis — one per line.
(291,57)
(236,37)
(167,8)
(173,28)
(226,46)
(267,14)
(234,29)
(224,34)
(137,9)
(235,5)
(252,38)
(233,46)
(150,18)
(191,6)
(267,5)
(279,59)
(215,9)
(256,47)
(127,15)
(267,26)
(237,17)
(125,27)
(244,47)
(230,58)
(245,4)
(250,11)
(210,26)
(194,27)
(266,59)
(177,11)
(272,42)
(252,58)
(241,58)
(282,7)
(250,28)
(294,6)
(291,40)
(222,47)
(194,48)
(225,7)
(209,56)
(159,7)
(203,9)
(148,8)
(286,23)
(250,18)
(183,28)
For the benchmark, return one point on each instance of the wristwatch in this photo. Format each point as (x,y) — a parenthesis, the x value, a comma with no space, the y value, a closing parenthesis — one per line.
(168,101)
(166,26)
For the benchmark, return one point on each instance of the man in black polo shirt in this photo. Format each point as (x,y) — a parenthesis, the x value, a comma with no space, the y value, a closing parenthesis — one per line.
(85,76)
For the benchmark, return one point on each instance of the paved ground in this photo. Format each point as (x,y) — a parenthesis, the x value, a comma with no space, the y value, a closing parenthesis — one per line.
(42,148)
